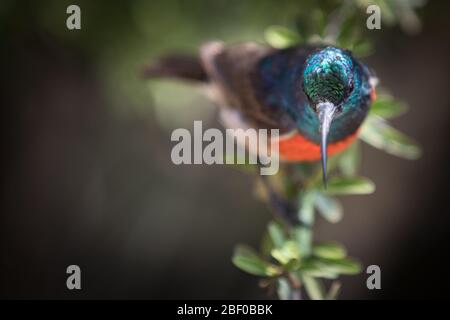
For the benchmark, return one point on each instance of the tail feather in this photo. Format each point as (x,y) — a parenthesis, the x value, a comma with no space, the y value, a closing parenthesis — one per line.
(176,66)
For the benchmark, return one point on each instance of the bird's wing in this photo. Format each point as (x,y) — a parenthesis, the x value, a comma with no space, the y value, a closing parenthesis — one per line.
(233,71)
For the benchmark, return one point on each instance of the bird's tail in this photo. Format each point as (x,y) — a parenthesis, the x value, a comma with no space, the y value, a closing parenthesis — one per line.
(182,67)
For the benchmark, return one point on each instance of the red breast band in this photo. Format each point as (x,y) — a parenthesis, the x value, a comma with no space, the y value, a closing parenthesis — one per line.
(298,148)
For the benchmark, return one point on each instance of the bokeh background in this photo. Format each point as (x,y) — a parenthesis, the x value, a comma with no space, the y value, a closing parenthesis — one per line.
(87,177)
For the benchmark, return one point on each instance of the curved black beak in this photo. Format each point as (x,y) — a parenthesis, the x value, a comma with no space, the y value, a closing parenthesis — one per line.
(325,112)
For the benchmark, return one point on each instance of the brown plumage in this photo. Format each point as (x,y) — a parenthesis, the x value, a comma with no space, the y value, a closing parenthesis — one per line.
(261,87)
(230,72)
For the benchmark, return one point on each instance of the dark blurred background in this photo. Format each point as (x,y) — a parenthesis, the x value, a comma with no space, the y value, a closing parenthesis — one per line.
(87,177)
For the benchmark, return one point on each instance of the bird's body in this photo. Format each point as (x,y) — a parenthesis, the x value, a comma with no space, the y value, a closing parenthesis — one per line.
(285,89)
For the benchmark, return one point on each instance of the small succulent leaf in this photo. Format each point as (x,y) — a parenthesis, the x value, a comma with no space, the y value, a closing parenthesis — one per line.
(349,185)
(266,245)
(329,250)
(281,37)
(329,208)
(385,106)
(376,132)
(276,234)
(283,289)
(313,268)
(350,160)
(333,292)
(246,259)
(288,252)
(303,234)
(314,288)
(341,266)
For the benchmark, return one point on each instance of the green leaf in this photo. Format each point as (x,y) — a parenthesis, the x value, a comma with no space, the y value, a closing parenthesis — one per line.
(350,185)
(318,21)
(288,252)
(303,234)
(314,288)
(311,267)
(333,251)
(346,32)
(363,48)
(330,209)
(350,159)
(407,17)
(266,245)
(341,266)
(276,234)
(247,259)
(334,291)
(379,134)
(385,106)
(283,289)
(281,37)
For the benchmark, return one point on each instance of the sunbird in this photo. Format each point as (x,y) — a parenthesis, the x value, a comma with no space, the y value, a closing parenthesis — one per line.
(317,96)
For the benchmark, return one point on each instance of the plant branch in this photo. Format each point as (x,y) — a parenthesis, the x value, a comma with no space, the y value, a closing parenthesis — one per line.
(282,208)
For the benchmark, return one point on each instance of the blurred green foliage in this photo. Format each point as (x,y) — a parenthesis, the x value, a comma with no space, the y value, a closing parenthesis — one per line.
(294,260)
(122,36)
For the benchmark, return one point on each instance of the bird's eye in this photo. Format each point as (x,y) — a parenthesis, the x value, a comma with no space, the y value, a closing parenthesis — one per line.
(350,87)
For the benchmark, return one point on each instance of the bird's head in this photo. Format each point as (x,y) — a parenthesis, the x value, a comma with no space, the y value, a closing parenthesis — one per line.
(328,83)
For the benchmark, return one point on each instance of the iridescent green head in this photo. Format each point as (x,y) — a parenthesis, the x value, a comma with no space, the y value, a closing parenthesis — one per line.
(324,90)
(328,76)
(328,83)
